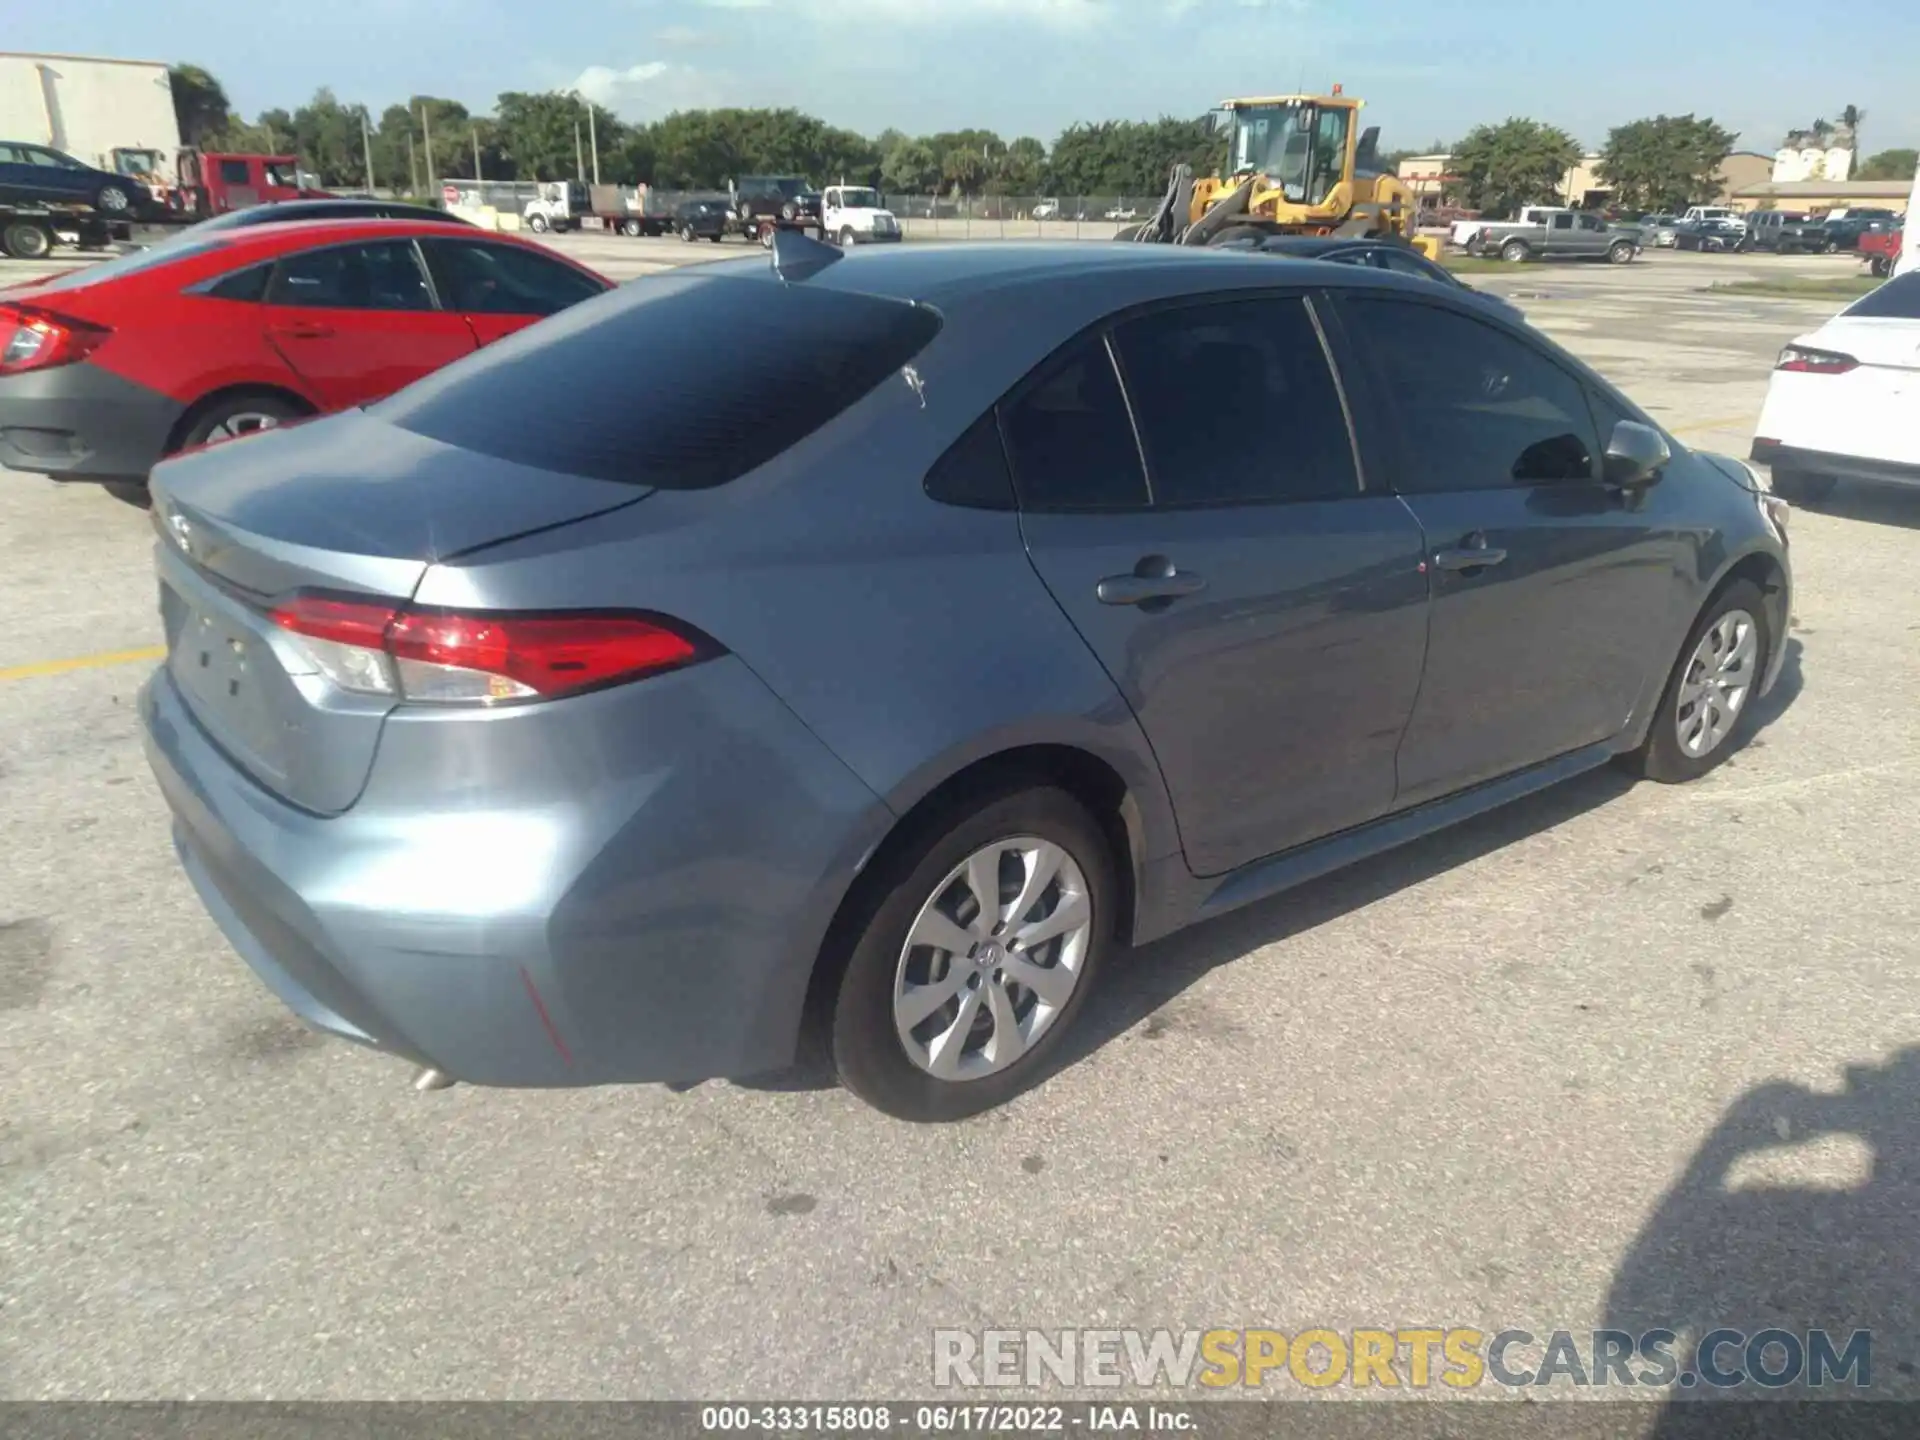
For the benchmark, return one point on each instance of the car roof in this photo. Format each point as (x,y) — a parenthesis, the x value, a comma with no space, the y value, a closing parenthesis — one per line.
(941,273)
(296,234)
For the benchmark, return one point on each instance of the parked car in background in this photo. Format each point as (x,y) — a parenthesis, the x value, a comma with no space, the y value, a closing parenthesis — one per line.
(1784,232)
(1660,230)
(1723,234)
(707,219)
(1844,400)
(1880,250)
(1844,232)
(106,369)
(611,712)
(1400,259)
(41,175)
(1560,235)
(293,212)
(1046,210)
(765,204)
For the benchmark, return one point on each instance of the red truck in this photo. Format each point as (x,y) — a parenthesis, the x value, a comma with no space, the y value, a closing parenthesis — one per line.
(1880,249)
(198,183)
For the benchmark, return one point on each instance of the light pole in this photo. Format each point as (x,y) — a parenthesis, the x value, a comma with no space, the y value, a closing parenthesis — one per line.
(593,142)
(426,143)
(366,150)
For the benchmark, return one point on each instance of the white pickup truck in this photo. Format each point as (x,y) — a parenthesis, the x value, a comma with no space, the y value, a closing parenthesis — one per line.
(1464,232)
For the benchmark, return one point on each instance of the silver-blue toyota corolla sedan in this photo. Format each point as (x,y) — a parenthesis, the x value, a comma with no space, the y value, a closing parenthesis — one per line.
(884,639)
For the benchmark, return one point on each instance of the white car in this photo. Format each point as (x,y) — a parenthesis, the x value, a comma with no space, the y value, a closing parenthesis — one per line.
(1047,210)
(1844,401)
(853,215)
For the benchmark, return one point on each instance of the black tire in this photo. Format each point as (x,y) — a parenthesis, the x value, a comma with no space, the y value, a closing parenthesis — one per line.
(1880,266)
(1514,251)
(1660,757)
(113,198)
(632,228)
(201,427)
(686,234)
(1128,232)
(846,238)
(1236,233)
(25,240)
(868,1052)
(1801,488)
(1619,253)
(537,224)
(717,236)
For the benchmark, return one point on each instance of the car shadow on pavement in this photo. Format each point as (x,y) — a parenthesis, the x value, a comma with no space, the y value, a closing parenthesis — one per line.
(1874,504)
(1796,1214)
(1140,981)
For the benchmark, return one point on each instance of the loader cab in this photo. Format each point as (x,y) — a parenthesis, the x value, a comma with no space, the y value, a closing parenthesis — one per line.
(1302,144)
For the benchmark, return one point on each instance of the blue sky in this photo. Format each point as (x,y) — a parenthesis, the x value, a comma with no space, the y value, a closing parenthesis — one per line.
(1032,66)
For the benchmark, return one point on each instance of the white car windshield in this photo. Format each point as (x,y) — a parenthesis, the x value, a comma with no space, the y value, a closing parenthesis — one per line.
(859,199)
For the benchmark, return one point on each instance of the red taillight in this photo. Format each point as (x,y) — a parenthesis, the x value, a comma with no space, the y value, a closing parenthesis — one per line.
(466,657)
(1803,361)
(36,340)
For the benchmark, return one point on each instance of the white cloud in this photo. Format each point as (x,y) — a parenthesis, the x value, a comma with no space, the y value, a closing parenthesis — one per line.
(1058,13)
(651,89)
(681,35)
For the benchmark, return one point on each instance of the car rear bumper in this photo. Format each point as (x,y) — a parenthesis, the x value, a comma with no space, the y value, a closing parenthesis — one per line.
(577,918)
(82,421)
(1840,467)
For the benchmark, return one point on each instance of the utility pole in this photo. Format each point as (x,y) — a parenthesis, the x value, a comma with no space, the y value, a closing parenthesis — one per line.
(593,143)
(413,169)
(366,149)
(426,142)
(579,164)
(476,155)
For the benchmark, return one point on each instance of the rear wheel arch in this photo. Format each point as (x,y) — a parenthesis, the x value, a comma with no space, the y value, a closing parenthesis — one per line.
(1089,779)
(183,427)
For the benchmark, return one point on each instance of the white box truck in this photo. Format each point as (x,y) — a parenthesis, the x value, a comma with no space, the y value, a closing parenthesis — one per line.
(88,107)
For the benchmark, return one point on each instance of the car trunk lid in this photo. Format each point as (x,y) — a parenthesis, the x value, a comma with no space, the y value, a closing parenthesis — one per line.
(348,506)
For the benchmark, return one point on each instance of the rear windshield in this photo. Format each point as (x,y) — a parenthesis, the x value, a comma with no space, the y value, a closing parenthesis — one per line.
(1898,299)
(131,263)
(680,382)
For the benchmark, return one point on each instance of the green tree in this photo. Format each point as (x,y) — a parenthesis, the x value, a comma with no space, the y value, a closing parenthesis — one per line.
(200,104)
(1665,163)
(1517,162)
(535,133)
(910,168)
(326,136)
(1890,165)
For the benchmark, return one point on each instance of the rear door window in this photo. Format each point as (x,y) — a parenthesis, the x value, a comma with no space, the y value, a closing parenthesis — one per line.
(635,386)
(376,275)
(1236,404)
(1070,438)
(477,278)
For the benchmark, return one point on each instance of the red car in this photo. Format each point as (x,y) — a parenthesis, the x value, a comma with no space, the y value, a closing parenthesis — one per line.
(106,369)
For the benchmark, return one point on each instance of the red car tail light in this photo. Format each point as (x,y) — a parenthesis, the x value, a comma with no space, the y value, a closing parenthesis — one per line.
(1803,361)
(37,340)
(446,657)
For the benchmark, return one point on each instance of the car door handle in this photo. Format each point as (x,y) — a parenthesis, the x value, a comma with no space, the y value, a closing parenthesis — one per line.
(1469,557)
(1153,579)
(303,330)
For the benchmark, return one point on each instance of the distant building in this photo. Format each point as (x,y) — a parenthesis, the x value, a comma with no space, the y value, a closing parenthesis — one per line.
(1817,197)
(1741,169)
(1426,178)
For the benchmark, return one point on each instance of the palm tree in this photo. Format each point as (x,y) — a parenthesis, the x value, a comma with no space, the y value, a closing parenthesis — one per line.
(1850,118)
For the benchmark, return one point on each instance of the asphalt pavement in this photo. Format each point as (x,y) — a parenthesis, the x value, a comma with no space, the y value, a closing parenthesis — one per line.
(1551,1069)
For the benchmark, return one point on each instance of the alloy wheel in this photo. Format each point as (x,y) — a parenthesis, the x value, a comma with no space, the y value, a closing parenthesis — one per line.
(1719,679)
(992,959)
(246,422)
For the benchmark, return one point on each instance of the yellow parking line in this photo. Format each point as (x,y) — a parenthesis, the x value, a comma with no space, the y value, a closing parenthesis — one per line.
(82,662)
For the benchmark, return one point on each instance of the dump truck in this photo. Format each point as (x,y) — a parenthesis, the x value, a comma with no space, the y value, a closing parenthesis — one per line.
(1294,165)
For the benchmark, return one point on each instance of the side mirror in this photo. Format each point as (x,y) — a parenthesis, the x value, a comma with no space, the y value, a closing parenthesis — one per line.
(1636,454)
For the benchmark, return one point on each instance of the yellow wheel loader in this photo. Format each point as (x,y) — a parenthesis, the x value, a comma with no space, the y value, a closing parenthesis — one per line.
(1295,165)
